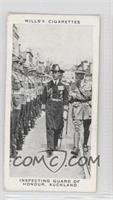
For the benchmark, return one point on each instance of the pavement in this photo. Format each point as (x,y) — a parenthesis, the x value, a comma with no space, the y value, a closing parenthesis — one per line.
(32,161)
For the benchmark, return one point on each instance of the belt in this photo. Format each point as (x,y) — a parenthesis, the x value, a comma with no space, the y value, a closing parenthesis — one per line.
(82,101)
(57,100)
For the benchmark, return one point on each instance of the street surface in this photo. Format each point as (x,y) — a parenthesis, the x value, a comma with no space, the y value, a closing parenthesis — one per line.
(35,142)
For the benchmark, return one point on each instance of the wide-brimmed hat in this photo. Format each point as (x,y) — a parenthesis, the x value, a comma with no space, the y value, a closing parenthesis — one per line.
(14,59)
(55,68)
(32,69)
(88,70)
(80,69)
(61,71)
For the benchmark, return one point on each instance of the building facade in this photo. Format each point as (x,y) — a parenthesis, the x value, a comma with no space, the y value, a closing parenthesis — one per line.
(16,45)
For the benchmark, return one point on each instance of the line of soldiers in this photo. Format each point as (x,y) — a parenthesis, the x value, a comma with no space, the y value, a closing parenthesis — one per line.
(28,103)
(25,104)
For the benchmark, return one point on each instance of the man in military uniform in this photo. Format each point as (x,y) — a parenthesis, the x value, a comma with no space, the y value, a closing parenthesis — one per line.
(88,89)
(55,103)
(33,114)
(79,97)
(23,97)
(16,109)
(39,89)
(27,95)
(61,71)
(39,96)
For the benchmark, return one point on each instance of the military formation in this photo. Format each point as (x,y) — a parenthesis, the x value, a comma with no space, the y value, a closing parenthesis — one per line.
(25,103)
(31,98)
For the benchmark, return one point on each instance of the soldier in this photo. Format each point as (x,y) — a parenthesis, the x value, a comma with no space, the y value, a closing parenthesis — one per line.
(27,94)
(61,71)
(24,98)
(32,105)
(87,121)
(37,99)
(79,97)
(38,95)
(33,100)
(16,109)
(55,102)
(19,73)
(29,103)
(61,74)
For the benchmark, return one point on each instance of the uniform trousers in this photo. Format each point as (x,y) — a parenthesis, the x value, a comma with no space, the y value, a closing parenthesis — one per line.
(54,122)
(80,117)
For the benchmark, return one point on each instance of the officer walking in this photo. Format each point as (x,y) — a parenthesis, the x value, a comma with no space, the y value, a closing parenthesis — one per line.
(88,90)
(61,71)
(79,98)
(55,103)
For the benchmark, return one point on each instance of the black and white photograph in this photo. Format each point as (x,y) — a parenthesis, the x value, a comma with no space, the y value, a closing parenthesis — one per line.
(51,103)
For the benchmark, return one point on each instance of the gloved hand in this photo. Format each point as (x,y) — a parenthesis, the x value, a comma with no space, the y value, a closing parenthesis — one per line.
(43,113)
(71,99)
(65,115)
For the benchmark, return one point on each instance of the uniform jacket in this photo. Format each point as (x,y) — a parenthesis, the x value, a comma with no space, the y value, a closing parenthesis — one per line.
(81,100)
(16,91)
(55,101)
(55,91)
